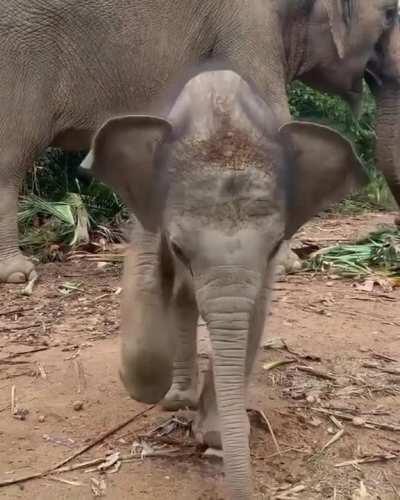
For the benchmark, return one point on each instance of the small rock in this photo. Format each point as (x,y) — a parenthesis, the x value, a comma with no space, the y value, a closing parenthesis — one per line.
(21,413)
(358,421)
(41,418)
(78,405)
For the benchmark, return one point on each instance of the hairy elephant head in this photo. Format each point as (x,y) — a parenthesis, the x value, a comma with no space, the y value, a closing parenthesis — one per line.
(235,190)
(347,40)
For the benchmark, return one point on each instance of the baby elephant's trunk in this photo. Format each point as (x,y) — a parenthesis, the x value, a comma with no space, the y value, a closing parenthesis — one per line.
(227,303)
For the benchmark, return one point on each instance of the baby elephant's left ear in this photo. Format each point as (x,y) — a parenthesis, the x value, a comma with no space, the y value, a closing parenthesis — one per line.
(323,170)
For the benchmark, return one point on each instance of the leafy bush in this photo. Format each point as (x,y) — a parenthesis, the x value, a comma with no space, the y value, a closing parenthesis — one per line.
(60,206)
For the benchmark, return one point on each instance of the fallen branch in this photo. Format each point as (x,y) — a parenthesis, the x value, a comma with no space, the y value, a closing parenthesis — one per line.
(390,371)
(367,423)
(332,441)
(377,355)
(277,364)
(317,373)
(266,421)
(20,327)
(368,460)
(26,353)
(86,448)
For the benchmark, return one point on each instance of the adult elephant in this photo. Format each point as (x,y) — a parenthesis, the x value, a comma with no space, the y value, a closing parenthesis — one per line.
(67,66)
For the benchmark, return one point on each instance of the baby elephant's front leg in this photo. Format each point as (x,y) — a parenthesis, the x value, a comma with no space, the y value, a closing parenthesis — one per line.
(184,317)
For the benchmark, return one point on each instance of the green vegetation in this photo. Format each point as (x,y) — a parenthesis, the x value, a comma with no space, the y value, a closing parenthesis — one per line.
(60,207)
(57,206)
(379,253)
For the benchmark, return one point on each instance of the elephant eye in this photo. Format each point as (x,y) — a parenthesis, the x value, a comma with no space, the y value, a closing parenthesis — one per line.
(180,255)
(390,16)
(275,250)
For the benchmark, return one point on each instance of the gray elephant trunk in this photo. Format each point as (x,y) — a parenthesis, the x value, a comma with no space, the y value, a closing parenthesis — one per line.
(227,309)
(147,349)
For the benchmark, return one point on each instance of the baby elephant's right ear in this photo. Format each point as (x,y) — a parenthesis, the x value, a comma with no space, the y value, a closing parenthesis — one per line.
(124,156)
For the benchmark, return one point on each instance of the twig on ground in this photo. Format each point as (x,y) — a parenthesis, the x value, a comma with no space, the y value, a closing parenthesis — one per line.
(336,422)
(266,421)
(16,310)
(81,465)
(26,353)
(41,371)
(377,355)
(65,481)
(367,423)
(276,364)
(288,494)
(368,460)
(80,375)
(86,448)
(13,400)
(9,328)
(317,373)
(390,371)
(333,440)
(395,490)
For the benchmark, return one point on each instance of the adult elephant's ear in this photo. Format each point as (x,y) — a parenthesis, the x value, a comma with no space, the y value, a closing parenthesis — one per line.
(340,14)
(323,169)
(126,155)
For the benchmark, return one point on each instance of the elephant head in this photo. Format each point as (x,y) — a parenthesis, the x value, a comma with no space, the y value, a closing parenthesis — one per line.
(344,41)
(222,187)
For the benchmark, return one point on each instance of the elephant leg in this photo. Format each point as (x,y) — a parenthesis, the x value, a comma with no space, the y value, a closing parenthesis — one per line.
(184,316)
(287,261)
(14,266)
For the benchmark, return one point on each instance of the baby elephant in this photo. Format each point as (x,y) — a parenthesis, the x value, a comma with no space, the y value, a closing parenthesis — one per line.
(217,186)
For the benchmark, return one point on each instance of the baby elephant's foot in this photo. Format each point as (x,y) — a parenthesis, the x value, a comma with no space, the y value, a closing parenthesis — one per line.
(178,399)
(16,269)
(287,262)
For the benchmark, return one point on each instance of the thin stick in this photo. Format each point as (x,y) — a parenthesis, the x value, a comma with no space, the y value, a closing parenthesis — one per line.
(391,371)
(81,465)
(332,441)
(88,447)
(13,400)
(377,355)
(271,430)
(24,353)
(377,425)
(276,364)
(396,491)
(64,481)
(367,460)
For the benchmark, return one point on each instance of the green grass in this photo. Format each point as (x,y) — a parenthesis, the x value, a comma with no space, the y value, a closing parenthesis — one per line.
(379,253)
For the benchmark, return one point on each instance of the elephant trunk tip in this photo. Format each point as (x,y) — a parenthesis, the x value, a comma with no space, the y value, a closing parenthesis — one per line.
(146,378)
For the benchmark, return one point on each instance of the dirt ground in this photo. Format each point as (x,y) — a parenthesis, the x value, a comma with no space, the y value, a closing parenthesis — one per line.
(343,345)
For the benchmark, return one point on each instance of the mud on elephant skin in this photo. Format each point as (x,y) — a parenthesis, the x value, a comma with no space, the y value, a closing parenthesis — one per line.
(217,187)
(62,95)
